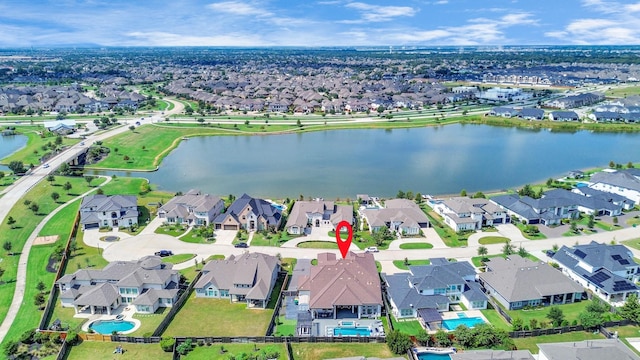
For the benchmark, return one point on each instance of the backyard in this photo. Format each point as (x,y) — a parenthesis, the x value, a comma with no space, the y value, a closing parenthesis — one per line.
(334,351)
(227,351)
(95,350)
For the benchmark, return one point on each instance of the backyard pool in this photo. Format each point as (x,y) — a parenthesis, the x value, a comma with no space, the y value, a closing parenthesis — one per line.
(431,356)
(452,324)
(107,327)
(351,331)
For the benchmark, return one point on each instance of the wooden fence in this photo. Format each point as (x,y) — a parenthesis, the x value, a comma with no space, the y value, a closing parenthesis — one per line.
(276,310)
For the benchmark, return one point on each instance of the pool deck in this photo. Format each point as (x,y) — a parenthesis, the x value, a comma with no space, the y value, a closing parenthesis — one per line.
(451,315)
(326,326)
(126,311)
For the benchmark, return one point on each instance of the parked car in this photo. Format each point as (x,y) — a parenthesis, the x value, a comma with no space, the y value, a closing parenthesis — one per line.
(45,166)
(241,245)
(371,249)
(163,253)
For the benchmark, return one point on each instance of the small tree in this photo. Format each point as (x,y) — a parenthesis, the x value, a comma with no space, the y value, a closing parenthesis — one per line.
(7,246)
(35,208)
(574,227)
(89,179)
(463,192)
(398,342)
(132,127)
(483,251)
(522,252)
(1,273)
(167,344)
(55,196)
(38,299)
(590,221)
(631,309)
(615,220)
(51,178)
(508,248)
(555,315)
(517,324)
(67,187)
(442,338)
(11,222)
(41,286)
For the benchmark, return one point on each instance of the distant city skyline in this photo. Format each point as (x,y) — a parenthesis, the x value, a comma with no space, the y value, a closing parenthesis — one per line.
(318,23)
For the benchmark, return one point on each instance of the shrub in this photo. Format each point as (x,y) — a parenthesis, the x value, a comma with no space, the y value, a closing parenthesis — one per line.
(28,336)
(185,347)
(167,344)
(11,347)
(72,338)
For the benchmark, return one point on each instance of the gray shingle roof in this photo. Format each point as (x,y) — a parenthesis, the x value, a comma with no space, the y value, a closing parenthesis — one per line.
(621,178)
(588,350)
(493,355)
(103,294)
(405,297)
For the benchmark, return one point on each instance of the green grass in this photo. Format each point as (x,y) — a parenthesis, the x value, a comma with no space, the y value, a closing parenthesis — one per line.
(26,222)
(149,322)
(285,327)
(213,352)
(288,264)
(538,236)
(414,246)
(171,230)
(178,258)
(192,237)
(634,243)
(487,240)
(411,327)
(85,256)
(570,311)
(402,266)
(190,272)
(318,245)
(219,317)
(477,260)
(28,154)
(334,351)
(496,320)
(531,343)
(623,91)
(104,351)
(270,239)
(448,236)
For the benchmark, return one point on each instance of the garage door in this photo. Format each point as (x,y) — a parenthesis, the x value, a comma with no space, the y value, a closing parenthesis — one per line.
(231,227)
(91,226)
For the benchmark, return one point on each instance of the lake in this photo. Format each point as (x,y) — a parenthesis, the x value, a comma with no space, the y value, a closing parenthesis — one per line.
(343,163)
(9,145)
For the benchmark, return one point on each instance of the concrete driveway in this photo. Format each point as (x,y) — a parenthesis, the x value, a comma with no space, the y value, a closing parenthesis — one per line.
(225,237)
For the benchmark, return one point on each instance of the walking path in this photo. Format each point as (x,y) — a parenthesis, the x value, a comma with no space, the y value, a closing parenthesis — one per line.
(21,276)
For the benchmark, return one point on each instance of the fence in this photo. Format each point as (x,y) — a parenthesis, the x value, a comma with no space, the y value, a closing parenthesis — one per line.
(565,329)
(176,307)
(387,306)
(53,294)
(276,310)
(287,345)
(64,349)
(500,311)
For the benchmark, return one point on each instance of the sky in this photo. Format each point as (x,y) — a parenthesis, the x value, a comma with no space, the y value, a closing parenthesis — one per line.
(313,23)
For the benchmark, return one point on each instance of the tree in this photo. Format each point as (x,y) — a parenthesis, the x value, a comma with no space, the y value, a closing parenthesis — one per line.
(464,335)
(590,319)
(522,252)
(59,140)
(631,309)
(65,169)
(89,179)
(7,246)
(483,251)
(574,227)
(612,164)
(400,194)
(590,221)
(67,187)
(38,299)
(11,222)
(615,220)
(423,338)
(1,273)
(549,182)
(41,286)
(555,315)
(132,127)
(463,192)
(55,196)
(517,324)
(418,198)
(51,178)
(597,305)
(11,348)
(17,167)
(167,344)
(442,338)
(508,248)
(479,195)
(629,165)
(398,342)
(126,158)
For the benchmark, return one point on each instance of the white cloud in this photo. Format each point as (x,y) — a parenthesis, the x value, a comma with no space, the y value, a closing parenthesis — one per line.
(237,8)
(377,13)
(158,38)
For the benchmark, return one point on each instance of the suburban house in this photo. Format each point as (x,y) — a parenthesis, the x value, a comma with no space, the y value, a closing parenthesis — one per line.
(608,270)
(108,211)
(192,208)
(516,282)
(574,101)
(621,182)
(401,216)
(250,214)
(464,213)
(306,215)
(490,354)
(552,207)
(339,288)
(587,350)
(531,114)
(433,287)
(504,112)
(615,199)
(147,284)
(247,278)
(563,116)
(605,116)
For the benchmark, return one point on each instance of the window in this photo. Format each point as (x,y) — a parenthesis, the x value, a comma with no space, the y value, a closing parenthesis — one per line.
(439,291)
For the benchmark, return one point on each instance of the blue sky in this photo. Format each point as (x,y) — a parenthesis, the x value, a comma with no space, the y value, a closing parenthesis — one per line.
(318,23)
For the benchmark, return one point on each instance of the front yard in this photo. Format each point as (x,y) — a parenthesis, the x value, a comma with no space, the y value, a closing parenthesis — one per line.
(218,317)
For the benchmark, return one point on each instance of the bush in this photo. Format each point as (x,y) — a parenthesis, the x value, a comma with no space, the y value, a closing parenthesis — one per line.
(11,347)
(72,338)
(167,344)
(185,347)
(27,336)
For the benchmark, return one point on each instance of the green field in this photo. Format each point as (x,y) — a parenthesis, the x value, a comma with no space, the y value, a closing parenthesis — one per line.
(414,246)
(623,91)
(487,240)
(318,245)
(32,153)
(178,258)
(400,264)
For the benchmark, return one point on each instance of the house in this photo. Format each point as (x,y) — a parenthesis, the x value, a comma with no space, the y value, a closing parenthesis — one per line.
(248,278)
(402,216)
(192,208)
(576,174)
(250,214)
(464,213)
(341,288)
(504,112)
(586,350)
(320,214)
(586,204)
(615,199)
(516,282)
(434,287)
(621,182)
(548,210)
(147,284)
(531,114)
(364,199)
(504,94)
(108,211)
(492,355)
(574,101)
(610,271)
(605,116)
(563,116)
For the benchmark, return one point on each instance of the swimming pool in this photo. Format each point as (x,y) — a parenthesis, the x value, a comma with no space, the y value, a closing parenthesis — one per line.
(452,324)
(352,331)
(107,327)
(432,356)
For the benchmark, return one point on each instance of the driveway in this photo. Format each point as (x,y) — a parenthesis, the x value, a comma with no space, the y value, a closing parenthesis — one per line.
(225,237)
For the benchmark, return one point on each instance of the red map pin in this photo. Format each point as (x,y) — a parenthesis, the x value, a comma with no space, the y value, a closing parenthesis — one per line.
(343,245)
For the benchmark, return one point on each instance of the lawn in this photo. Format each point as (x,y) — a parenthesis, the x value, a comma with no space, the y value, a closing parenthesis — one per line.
(95,350)
(623,91)
(259,239)
(171,230)
(26,222)
(218,317)
(318,245)
(32,153)
(411,327)
(448,236)
(178,258)
(334,351)
(570,311)
(190,272)
(288,264)
(85,256)
(488,240)
(285,327)
(496,320)
(538,236)
(149,322)
(193,237)
(416,246)
(400,264)
(634,243)
(530,343)
(213,352)
(477,260)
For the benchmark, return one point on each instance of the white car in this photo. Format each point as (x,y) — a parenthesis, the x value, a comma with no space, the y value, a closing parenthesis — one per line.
(371,249)
(45,166)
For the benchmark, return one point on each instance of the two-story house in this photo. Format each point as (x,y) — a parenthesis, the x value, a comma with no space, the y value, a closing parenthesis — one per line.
(463,213)
(192,208)
(108,211)
(247,278)
(546,210)
(249,213)
(434,286)
(401,216)
(621,182)
(610,271)
(148,284)
(320,214)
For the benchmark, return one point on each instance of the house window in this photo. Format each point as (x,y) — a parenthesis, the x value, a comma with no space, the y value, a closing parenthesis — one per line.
(439,291)
(406,312)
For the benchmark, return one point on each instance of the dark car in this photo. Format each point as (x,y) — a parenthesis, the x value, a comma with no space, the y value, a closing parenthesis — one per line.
(241,245)
(163,253)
